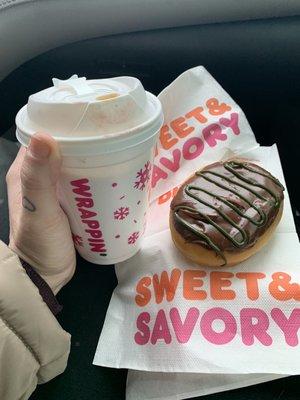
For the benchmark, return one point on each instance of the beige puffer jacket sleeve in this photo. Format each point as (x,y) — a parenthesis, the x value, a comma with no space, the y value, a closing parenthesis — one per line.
(33,346)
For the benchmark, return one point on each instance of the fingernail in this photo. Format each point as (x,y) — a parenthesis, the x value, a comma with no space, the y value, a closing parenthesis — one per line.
(38,148)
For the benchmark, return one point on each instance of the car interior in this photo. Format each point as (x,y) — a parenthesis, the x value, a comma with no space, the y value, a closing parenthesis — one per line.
(252,49)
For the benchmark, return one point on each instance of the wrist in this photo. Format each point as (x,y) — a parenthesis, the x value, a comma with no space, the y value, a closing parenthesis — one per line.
(55,271)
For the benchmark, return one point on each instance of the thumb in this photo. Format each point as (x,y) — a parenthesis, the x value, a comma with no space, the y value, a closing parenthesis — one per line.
(39,175)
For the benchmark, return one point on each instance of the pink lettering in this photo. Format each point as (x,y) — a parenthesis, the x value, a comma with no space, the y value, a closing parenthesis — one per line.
(83,202)
(98,247)
(192,148)
(183,330)
(81,188)
(157,174)
(231,123)
(93,224)
(212,133)
(172,165)
(161,330)
(218,337)
(86,213)
(250,330)
(289,326)
(142,337)
(94,234)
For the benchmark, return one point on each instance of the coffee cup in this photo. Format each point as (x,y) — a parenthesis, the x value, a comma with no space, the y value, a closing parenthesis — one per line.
(106,130)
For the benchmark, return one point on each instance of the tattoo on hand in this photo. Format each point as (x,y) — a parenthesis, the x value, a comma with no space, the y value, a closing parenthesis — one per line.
(26,203)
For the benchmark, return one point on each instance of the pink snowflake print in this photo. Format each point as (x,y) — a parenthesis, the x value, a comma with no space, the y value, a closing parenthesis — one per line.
(133,237)
(121,213)
(143,176)
(77,240)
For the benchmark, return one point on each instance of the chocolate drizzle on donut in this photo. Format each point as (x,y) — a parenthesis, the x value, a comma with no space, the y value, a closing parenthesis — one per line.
(227,206)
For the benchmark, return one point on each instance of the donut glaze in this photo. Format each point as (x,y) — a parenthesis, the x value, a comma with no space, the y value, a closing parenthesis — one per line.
(227,206)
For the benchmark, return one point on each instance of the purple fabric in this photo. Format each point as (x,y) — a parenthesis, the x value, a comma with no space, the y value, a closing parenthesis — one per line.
(44,288)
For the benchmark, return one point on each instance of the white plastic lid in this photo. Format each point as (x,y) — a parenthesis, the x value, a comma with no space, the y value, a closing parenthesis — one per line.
(91,117)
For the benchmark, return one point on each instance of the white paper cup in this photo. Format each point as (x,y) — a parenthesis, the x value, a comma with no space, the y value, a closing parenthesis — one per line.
(106,130)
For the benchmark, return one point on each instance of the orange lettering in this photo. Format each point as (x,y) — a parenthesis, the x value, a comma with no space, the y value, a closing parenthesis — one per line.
(191,281)
(197,114)
(216,108)
(168,195)
(164,197)
(251,283)
(218,280)
(175,190)
(281,287)
(166,286)
(144,294)
(181,128)
(166,139)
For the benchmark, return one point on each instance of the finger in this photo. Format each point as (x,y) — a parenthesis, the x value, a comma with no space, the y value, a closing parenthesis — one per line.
(39,174)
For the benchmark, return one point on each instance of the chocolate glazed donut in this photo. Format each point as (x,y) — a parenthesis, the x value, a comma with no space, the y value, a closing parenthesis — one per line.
(226,208)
